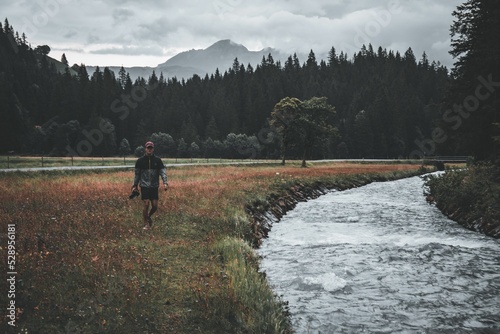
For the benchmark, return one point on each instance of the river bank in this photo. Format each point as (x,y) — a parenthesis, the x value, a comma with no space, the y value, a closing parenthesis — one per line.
(469,196)
(84,264)
(265,213)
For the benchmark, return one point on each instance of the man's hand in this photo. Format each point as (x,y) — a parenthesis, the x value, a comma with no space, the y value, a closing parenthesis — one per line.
(165,186)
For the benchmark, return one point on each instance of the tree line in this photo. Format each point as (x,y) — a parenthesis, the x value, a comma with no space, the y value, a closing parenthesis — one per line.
(387,105)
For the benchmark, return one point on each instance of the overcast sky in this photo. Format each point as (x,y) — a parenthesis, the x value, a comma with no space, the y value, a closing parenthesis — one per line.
(148,32)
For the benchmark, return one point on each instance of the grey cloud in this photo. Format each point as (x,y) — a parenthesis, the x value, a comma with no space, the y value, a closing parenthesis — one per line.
(131,51)
(78,50)
(122,14)
(93,38)
(70,34)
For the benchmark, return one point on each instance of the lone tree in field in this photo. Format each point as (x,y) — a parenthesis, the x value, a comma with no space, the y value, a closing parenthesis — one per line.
(303,124)
(282,117)
(313,124)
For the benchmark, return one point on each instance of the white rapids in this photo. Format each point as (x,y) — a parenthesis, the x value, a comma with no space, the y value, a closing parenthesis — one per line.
(380,259)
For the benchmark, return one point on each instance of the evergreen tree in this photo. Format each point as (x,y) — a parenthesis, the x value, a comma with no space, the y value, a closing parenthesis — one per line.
(363,137)
(312,63)
(7,28)
(211,130)
(64,60)
(474,100)
(122,77)
(332,57)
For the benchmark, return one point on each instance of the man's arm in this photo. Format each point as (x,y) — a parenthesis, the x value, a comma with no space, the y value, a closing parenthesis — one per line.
(137,175)
(163,174)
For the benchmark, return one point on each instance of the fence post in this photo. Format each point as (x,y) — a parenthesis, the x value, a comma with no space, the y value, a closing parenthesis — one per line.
(8,162)
(42,161)
(72,161)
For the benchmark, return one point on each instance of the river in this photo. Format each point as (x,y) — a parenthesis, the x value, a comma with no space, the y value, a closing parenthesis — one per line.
(380,259)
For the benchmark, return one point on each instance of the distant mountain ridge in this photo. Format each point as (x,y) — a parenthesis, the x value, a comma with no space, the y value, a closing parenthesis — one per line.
(219,55)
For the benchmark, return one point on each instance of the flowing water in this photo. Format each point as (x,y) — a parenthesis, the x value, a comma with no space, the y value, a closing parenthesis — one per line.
(380,259)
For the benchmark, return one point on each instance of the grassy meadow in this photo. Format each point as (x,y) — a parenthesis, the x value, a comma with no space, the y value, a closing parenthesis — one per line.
(84,264)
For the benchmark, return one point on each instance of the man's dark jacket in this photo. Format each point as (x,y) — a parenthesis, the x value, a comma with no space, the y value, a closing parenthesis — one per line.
(148,169)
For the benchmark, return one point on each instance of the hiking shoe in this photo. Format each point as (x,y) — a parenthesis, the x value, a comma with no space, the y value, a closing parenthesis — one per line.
(146,227)
(150,222)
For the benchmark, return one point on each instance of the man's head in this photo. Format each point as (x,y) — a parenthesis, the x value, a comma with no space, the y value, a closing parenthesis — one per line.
(149,147)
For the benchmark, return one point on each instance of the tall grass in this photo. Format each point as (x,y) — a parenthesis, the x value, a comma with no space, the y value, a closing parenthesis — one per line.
(86,266)
(253,303)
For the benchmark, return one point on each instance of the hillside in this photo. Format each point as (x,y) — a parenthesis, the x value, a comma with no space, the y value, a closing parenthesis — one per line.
(60,67)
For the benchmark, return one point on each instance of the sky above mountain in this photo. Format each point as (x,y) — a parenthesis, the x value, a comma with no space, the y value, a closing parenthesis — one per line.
(148,32)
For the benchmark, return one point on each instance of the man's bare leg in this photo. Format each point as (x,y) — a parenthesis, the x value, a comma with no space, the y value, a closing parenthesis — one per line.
(145,213)
(154,207)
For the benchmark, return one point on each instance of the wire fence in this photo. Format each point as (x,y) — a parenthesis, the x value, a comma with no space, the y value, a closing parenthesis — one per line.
(15,162)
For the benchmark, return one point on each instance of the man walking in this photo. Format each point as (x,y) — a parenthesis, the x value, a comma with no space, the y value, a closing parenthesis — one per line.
(148,170)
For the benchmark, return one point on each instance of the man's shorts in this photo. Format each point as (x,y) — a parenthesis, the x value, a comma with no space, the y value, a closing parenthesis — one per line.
(149,193)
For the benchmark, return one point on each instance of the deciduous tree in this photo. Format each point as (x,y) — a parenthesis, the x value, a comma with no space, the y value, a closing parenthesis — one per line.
(314,124)
(282,117)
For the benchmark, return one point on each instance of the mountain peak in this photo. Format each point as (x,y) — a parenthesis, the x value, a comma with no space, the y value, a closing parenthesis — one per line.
(226,44)
(219,55)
